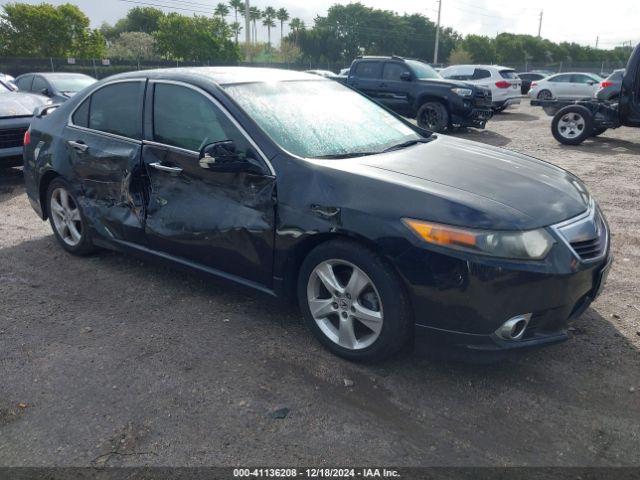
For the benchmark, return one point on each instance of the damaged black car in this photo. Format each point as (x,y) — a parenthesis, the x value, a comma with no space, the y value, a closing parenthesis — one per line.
(297,186)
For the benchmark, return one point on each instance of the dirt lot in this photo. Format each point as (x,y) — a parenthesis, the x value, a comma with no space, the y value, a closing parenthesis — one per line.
(111,361)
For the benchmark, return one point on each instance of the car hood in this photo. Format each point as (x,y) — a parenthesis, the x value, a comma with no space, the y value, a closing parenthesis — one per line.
(472,184)
(447,83)
(18,104)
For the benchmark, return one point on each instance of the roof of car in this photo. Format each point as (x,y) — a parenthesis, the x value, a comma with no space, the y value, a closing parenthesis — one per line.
(223,75)
(55,74)
(497,67)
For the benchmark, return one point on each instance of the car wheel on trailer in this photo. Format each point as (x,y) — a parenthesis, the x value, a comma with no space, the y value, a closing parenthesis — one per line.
(433,116)
(353,302)
(572,125)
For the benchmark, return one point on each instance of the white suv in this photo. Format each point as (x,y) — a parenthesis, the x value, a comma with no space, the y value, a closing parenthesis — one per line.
(503,82)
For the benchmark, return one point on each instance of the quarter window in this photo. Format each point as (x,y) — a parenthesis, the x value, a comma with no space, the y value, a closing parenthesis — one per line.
(184,118)
(117,109)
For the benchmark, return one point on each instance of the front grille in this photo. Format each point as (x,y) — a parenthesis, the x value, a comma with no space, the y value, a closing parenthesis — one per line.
(482,97)
(587,236)
(588,249)
(12,137)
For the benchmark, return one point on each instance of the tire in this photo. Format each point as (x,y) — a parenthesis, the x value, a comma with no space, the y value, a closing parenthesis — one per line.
(545,95)
(67,221)
(572,125)
(382,302)
(598,131)
(433,116)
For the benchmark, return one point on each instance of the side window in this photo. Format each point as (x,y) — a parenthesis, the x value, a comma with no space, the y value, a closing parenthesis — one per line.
(393,71)
(581,79)
(480,73)
(184,118)
(561,79)
(24,83)
(39,85)
(117,109)
(369,69)
(81,115)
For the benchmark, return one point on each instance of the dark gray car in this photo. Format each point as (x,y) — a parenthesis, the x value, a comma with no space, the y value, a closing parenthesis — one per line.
(610,86)
(16,111)
(59,87)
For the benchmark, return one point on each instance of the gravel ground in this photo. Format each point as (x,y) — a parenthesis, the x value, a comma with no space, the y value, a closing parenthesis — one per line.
(112,361)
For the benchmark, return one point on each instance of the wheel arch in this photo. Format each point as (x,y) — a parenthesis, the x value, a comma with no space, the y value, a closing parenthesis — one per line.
(45,180)
(294,261)
(428,97)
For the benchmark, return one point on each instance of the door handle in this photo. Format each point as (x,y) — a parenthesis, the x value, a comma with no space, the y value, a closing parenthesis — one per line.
(163,168)
(79,145)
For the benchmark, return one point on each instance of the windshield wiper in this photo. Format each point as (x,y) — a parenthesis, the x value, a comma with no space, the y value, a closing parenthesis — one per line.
(409,143)
(338,156)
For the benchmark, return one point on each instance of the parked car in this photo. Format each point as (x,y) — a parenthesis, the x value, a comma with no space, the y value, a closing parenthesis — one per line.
(300,187)
(502,81)
(565,86)
(414,89)
(16,110)
(527,78)
(609,88)
(59,87)
(323,73)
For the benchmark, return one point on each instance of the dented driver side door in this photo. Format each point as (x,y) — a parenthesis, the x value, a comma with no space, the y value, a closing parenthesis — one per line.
(222,221)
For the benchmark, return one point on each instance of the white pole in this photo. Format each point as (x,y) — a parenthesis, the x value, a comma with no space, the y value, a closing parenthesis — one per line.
(435,49)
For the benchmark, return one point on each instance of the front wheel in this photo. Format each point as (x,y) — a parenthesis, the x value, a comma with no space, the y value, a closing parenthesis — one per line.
(433,116)
(572,125)
(353,302)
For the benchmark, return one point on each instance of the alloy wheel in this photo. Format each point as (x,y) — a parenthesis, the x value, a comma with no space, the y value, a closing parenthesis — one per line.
(571,125)
(345,304)
(66,217)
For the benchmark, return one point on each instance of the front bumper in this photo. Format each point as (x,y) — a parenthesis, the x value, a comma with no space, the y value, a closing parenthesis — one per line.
(476,117)
(507,102)
(463,300)
(10,157)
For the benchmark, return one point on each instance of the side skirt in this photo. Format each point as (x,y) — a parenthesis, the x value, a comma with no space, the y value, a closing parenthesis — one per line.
(182,263)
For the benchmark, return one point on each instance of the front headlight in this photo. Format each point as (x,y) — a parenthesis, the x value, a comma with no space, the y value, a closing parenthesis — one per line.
(529,245)
(463,92)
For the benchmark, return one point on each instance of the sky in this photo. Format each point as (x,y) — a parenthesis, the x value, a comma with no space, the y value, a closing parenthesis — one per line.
(614,22)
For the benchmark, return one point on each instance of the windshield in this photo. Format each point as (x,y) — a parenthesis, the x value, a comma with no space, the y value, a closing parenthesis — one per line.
(422,70)
(322,118)
(71,84)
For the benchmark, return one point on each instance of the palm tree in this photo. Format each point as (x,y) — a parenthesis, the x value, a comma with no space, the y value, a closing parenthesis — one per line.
(268,15)
(238,6)
(296,25)
(236,28)
(254,15)
(283,16)
(221,10)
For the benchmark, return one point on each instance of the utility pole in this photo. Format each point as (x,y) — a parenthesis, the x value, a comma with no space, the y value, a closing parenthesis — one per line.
(435,49)
(540,24)
(247,24)
(597,41)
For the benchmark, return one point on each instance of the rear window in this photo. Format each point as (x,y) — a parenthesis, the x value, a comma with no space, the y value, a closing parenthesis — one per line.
(510,74)
(369,69)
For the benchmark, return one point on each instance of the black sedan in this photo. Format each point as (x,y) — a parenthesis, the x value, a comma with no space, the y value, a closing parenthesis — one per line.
(16,110)
(299,187)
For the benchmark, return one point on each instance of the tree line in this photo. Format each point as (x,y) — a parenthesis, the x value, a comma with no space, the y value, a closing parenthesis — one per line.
(345,32)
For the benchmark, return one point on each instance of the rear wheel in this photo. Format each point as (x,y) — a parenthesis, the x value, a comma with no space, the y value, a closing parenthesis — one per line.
(545,95)
(353,302)
(433,116)
(572,125)
(67,221)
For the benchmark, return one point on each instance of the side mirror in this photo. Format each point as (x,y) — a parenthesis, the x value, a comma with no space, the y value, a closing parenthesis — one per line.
(45,92)
(224,157)
(405,76)
(591,82)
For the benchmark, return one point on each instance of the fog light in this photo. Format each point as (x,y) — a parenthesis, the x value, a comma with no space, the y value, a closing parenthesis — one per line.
(514,328)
